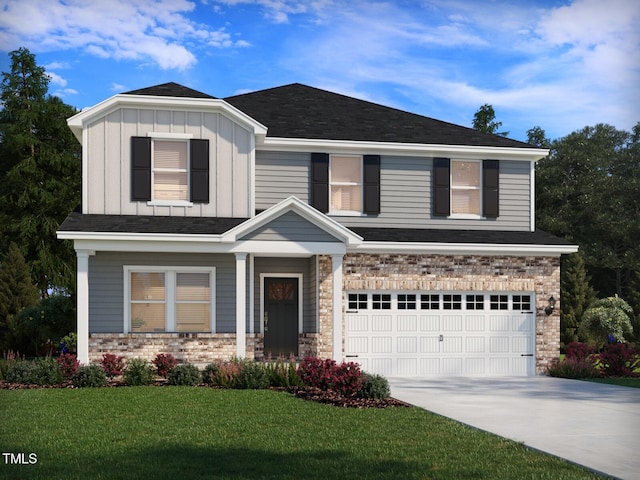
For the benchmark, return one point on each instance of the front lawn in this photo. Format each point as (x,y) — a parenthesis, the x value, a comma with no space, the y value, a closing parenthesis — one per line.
(620,381)
(197,433)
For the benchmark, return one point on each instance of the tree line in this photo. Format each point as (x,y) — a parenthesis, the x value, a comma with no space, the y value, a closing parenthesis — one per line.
(588,192)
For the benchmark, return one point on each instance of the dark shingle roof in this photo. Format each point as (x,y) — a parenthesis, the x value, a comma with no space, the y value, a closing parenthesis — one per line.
(170,89)
(78,222)
(300,111)
(417,235)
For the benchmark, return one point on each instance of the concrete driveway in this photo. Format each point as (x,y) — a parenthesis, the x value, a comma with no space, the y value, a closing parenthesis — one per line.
(587,423)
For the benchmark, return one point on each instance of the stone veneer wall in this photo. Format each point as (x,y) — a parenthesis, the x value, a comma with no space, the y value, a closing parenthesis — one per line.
(196,348)
(449,273)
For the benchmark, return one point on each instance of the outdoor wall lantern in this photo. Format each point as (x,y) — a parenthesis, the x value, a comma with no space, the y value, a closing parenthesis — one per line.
(552,305)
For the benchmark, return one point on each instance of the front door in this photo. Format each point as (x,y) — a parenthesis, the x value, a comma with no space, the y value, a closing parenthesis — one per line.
(280,316)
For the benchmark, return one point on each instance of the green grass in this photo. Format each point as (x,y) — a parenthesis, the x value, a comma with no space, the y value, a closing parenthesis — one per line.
(197,433)
(621,382)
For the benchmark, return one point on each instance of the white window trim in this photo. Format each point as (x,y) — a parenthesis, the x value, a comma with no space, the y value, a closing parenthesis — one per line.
(170,137)
(347,213)
(465,216)
(300,278)
(170,298)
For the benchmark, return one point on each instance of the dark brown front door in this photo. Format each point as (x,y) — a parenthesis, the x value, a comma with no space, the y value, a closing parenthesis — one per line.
(280,317)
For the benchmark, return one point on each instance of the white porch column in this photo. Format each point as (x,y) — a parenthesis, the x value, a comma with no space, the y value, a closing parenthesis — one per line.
(336,306)
(241,305)
(82,310)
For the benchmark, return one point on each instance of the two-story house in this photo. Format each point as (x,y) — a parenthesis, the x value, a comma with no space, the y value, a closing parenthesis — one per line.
(296,221)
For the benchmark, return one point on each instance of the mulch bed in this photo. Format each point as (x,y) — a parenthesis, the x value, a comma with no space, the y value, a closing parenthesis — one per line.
(305,393)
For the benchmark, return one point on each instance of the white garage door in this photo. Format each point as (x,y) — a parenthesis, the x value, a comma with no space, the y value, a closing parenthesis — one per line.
(441,333)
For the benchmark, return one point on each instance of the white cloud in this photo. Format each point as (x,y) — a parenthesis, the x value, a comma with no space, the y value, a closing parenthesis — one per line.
(157,31)
(116,87)
(56,79)
(65,92)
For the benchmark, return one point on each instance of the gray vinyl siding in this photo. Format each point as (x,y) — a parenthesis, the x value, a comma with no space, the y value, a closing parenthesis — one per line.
(106,286)
(303,266)
(290,227)
(405,192)
(280,175)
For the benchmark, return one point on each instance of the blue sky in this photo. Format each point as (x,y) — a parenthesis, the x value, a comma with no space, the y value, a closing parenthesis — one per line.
(561,64)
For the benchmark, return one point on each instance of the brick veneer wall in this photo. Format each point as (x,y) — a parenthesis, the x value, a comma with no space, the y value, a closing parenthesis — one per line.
(449,273)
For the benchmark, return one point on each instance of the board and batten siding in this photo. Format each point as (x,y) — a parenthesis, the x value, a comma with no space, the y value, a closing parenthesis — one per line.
(108,151)
(405,192)
(106,286)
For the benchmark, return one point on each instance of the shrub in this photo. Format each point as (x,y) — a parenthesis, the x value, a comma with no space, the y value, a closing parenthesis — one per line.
(113,365)
(607,316)
(223,375)
(43,371)
(283,374)
(574,368)
(21,372)
(374,386)
(89,376)
(138,372)
(185,374)
(251,376)
(68,364)
(619,360)
(164,364)
(8,359)
(209,374)
(345,378)
(578,351)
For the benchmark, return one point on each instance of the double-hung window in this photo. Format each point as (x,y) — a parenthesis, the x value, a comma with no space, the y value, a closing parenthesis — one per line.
(466,187)
(346,184)
(170,170)
(169,299)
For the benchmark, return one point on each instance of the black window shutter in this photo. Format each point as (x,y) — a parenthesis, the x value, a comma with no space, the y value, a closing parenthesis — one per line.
(372,184)
(441,187)
(490,188)
(199,159)
(320,181)
(140,169)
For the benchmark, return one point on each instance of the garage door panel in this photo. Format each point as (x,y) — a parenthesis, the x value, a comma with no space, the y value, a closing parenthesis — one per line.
(407,366)
(430,323)
(474,344)
(381,323)
(452,323)
(467,333)
(407,323)
(430,344)
(407,345)
(382,344)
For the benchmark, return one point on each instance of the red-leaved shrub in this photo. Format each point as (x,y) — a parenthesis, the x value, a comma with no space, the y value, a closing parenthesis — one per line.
(578,350)
(113,365)
(345,378)
(68,364)
(164,364)
(619,360)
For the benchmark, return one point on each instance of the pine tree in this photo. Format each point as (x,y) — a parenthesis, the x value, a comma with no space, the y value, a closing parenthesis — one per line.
(40,178)
(577,294)
(17,292)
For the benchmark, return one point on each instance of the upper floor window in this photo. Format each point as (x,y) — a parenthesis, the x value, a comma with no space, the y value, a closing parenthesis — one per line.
(170,170)
(346,183)
(465,188)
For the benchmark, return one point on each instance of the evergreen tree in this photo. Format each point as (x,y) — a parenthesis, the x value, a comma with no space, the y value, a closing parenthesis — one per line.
(484,120)
(17,292)
(40,178)
(576,294)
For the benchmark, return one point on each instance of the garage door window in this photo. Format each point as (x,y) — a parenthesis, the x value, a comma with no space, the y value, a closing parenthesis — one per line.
(522,302)
(406,302)
(381,301)
(499,302)
(452,302)
(358,301)
(475,302)
(430,301)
